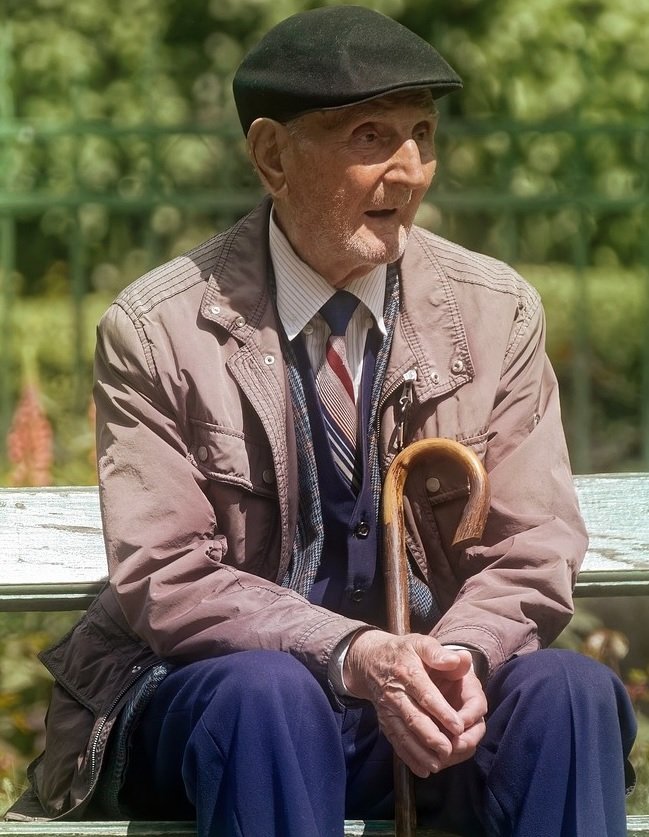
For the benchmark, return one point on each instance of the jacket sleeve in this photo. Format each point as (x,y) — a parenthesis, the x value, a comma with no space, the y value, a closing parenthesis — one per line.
(516,592)
(165,551)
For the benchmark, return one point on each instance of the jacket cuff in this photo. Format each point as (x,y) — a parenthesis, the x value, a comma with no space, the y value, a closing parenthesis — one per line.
(479,661)
(337,661)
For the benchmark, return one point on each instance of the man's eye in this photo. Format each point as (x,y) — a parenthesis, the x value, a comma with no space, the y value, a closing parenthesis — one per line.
(366,135)
(369,137)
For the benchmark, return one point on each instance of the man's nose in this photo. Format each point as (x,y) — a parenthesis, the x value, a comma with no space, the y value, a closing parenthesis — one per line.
(406,166)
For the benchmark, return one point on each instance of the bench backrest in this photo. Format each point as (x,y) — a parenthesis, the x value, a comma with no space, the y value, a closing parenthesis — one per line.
(52,552)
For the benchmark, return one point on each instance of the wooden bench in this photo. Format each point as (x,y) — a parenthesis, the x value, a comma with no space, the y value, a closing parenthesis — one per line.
(52,558)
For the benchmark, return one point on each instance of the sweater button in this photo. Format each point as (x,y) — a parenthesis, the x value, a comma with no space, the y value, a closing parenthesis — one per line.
(362,530)
(202,453)
(357,595)
(268,476)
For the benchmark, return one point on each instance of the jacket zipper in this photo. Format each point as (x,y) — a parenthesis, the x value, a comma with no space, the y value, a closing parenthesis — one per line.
(405,403)
(106,715)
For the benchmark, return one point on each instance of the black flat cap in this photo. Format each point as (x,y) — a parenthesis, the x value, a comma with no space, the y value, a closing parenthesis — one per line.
(331,57)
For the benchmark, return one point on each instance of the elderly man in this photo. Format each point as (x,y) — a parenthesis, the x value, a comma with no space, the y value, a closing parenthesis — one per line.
(250,396)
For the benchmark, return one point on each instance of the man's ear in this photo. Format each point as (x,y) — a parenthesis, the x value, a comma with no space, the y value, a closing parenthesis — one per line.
(266,141)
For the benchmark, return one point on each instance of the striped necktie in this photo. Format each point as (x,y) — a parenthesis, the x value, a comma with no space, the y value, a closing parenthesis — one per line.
(336,388)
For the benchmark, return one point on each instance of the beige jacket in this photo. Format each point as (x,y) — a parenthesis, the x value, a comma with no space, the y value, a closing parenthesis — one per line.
(198,476)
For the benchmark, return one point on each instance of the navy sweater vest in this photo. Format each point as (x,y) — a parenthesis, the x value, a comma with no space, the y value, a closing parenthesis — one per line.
(349,579)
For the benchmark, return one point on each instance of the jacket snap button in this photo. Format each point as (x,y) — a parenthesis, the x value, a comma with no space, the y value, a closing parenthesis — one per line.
(135,669)
(202,453)
(357,595)
(268,476)
(362,530)
(457,367)
(269,360)
(214,309)
(433,485)
(434,377)
(240,321)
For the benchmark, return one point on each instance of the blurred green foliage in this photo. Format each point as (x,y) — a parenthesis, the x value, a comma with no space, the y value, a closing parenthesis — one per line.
(24,692)
(114,71)
(613,301)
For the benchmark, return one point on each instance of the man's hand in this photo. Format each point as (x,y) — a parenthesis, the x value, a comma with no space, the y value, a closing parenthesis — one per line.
(429,703)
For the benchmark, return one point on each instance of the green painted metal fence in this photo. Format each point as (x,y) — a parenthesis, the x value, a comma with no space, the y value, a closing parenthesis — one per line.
(536,180)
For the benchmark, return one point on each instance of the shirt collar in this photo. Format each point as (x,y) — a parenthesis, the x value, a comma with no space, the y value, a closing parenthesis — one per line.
(301,291)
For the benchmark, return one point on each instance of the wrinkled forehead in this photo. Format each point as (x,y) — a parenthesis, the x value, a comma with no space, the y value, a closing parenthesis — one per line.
(333,118)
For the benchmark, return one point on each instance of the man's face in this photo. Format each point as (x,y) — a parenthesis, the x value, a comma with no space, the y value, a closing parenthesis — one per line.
(355,177)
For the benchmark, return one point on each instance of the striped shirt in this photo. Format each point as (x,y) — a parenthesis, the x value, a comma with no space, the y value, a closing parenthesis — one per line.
(301,292)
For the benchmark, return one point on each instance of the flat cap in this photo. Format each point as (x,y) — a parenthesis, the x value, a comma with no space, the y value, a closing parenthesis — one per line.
(331,57)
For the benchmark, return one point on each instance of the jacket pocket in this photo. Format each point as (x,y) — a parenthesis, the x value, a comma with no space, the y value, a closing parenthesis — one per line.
(477,442)
(228,456)
(449,483)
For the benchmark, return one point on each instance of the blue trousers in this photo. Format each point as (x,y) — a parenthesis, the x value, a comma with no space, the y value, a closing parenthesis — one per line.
(250,746)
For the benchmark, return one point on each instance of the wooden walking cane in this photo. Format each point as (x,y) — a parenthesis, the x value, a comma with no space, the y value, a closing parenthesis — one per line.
(468,533)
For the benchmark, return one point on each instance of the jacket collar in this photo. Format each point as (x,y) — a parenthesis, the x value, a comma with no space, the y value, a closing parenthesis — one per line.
(236,296)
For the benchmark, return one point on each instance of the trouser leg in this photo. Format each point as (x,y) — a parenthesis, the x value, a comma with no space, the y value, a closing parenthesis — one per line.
(278,758)
(559,732)
(552,760)
(248,743)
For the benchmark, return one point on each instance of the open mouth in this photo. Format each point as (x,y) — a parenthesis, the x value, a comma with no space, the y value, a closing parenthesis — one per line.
(381,213)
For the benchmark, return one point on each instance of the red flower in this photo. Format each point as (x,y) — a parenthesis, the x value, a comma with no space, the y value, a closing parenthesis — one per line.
(29,441)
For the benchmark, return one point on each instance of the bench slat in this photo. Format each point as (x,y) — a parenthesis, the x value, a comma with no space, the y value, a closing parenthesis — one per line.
(47,597)
(97,829)
(636,826)
(353,828)
(53,553)
(616,510)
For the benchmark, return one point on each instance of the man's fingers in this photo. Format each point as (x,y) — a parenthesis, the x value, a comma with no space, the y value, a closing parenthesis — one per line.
(437,753)
(433,703)
(455,663)
(400,714)
(416,740)
(465,745)
(473,710)
(425,695)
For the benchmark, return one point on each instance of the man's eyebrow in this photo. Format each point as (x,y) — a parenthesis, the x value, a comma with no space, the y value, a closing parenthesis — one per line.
(339,117)
(332,119)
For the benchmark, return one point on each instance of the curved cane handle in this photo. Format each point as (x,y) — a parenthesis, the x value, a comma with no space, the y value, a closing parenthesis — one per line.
(469,530)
